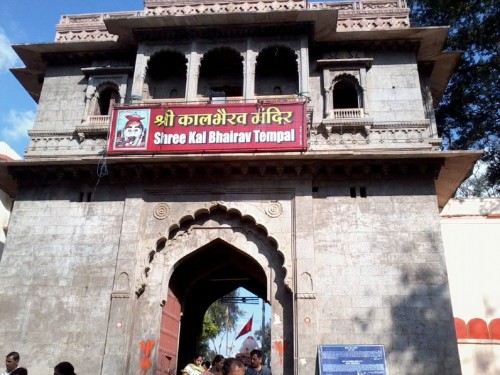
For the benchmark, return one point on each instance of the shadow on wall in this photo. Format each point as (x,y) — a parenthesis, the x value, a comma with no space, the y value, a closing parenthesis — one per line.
(422,339)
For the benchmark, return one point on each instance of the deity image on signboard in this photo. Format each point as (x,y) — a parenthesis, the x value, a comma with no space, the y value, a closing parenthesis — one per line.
(132,129)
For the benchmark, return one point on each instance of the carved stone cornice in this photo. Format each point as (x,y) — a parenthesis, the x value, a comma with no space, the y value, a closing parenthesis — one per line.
(88,27)
(50,133)
(80,172)
(401,124)
(348,122)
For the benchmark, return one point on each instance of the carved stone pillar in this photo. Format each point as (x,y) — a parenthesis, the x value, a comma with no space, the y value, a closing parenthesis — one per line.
(193,73)
(303,65)
(249,62)
(364,93)
(141,62)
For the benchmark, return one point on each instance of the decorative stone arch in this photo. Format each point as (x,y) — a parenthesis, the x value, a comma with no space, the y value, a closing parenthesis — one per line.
(257,217)
(165,73)
(351,93)
(185,235)
(221,69)
(276,66)
(350,65)
(98,86)
(350,90)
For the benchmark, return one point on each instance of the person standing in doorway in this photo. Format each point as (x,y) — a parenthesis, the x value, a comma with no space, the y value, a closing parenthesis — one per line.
(256,366)
(12,365)
(195,367)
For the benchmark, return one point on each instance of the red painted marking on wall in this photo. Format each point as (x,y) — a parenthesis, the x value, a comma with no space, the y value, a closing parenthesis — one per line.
(280,346)
(146,348)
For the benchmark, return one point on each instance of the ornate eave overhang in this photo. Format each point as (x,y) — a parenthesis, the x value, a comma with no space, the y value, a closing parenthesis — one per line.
(443,66)
(227,31)
(324,21)
(449,168)
(38,56)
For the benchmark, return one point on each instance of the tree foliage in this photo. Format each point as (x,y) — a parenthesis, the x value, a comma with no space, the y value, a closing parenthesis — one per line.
(220,319)
(468,115)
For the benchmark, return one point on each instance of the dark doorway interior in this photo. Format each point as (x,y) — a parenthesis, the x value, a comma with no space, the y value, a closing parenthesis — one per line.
(207,275)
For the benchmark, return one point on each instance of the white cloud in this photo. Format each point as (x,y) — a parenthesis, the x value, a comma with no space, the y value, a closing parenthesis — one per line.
(8,57)
(17,124)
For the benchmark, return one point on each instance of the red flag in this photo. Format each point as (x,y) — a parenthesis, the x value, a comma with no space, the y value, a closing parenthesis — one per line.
(247,328)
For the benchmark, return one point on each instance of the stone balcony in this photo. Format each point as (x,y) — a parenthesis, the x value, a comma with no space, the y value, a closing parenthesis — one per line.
(348,113)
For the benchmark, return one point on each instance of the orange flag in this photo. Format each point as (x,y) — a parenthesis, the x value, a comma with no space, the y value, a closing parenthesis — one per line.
(247,328)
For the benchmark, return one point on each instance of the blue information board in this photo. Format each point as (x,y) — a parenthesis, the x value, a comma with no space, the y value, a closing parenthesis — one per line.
(351,360)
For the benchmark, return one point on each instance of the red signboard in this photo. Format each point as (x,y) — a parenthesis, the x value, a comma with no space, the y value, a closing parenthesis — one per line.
(208,128)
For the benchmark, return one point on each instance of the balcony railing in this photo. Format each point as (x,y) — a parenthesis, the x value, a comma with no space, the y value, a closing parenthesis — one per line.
(97,120)
(348,113)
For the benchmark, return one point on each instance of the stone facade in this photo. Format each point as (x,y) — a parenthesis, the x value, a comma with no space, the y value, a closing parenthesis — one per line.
(342,239)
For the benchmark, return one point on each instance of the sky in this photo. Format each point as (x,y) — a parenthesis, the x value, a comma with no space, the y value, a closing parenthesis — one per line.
(31,22)
(250,310)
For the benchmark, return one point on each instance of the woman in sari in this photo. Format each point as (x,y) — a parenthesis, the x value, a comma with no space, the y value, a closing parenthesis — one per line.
(195,367)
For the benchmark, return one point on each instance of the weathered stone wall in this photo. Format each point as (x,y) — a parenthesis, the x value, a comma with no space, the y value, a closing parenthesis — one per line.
(56,277)
(393,88)
(381,271)
(363,270)
(62,101)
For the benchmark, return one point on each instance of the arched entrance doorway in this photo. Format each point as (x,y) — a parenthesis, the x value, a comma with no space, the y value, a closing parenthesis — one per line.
(222,252)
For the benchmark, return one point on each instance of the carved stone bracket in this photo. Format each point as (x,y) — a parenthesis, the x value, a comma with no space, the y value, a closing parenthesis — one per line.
(305,296)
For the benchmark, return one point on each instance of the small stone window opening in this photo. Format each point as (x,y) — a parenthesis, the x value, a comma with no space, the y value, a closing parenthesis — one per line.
(104,99)
(345,95)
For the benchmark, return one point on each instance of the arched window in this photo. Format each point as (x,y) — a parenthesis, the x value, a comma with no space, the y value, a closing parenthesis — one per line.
(276,71)
(221,71)
(344,85)
(166,75)
(345,95)
(105,96)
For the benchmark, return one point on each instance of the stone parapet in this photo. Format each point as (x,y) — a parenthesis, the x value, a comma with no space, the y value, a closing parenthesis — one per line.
(368,14)
(353,15)
(88,27)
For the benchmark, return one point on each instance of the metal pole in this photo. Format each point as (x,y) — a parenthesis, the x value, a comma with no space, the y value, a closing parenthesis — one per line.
(263,322)
(227,330)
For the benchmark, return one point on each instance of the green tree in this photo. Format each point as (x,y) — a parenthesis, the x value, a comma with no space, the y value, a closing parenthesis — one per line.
(468,115)
(220,318)
(265,339)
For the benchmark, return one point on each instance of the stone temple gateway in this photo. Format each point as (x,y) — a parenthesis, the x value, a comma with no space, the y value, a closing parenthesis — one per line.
(194,147)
